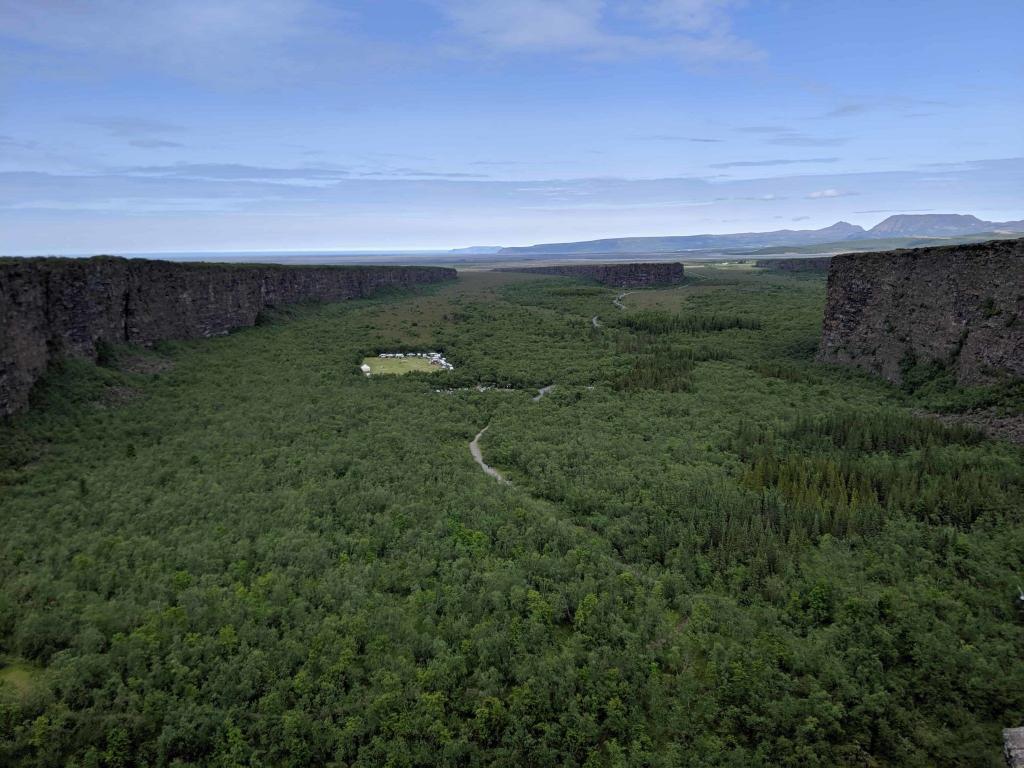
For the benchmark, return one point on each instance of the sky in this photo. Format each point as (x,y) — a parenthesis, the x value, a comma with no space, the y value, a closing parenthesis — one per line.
(187,125)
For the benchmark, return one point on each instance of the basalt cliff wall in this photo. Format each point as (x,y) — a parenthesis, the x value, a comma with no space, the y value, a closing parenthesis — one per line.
(52,308)
(635,275)
(961,305)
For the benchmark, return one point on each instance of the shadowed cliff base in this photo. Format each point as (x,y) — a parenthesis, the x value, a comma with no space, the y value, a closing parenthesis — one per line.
(53,308)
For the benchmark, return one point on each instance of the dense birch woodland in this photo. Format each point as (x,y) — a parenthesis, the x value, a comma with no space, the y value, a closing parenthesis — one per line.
(711,550)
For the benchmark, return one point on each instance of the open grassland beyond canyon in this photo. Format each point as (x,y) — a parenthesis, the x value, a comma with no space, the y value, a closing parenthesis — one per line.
(711,550)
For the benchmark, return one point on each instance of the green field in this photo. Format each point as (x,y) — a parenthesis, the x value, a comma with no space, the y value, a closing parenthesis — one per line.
(712,551)
(398,366)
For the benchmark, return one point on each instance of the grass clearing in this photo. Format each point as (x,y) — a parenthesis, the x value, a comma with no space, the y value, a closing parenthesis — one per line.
(397,366)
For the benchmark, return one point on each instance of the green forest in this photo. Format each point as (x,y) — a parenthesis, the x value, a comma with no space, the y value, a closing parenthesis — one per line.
(712,551)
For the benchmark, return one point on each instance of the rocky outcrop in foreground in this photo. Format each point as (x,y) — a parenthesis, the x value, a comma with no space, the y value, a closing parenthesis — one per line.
(810,264)
(961,305)
(51,308)
(620,275)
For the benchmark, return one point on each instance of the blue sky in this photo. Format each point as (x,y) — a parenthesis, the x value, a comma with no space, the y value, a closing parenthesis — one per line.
(307,124)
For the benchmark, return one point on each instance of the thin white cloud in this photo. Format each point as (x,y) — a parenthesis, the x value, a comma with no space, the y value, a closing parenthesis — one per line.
(803,140)
(9,142)
(237,171)
(672,137)
(568,206)
(690,15)
(822,194)
(693,30)
(260,44)
(223,42)
(896,210)
(846,110)
(784,136)
(776,161)
(764,129)
(155,144)
(138,132)
(529,24)
(418,173)
(132,127)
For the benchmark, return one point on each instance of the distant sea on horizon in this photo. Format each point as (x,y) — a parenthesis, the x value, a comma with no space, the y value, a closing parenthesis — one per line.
(297,257)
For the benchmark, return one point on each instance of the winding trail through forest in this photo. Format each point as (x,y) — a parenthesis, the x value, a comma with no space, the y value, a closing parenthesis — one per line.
(542,391)
(617,301)
(474,446)
(478,457)
(477,454)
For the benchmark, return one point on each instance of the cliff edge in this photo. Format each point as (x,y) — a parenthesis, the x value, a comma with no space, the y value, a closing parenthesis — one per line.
(52,308)
(961,305)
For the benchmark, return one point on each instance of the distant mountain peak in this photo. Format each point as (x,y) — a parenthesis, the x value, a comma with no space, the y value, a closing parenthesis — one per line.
(930,225)
(843,230)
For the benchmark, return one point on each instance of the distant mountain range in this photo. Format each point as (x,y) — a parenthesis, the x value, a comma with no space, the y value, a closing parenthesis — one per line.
(937,225)
(940,225)
(478,249)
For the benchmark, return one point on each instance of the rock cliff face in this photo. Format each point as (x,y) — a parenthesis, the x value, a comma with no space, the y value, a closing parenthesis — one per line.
(622,275)
(51,308)
(811,264)
(962,305)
